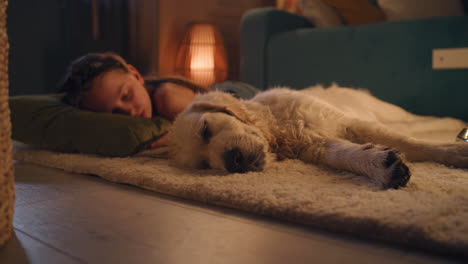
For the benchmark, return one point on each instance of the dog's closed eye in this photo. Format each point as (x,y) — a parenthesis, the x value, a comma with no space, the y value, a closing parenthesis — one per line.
(214,108)
(206,133)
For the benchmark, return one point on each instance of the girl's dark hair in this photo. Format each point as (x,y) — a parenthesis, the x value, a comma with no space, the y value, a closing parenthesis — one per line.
(82,71)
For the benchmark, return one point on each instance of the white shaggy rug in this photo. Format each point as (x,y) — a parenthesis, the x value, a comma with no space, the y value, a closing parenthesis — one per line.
(431,213)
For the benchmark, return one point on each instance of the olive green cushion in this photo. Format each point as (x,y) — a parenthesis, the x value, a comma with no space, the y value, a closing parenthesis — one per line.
(45,122)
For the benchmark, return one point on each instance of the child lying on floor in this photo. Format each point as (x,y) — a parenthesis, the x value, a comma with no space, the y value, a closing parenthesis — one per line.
(104,82)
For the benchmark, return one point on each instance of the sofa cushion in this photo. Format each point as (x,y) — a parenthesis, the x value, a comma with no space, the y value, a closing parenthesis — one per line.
(329,13)
(418,9)
(319,13)
(355,12)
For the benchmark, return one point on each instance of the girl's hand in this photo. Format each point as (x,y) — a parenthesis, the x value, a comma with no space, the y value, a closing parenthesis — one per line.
(160,142)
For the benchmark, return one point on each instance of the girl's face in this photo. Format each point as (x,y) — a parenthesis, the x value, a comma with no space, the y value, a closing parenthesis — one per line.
(119,92)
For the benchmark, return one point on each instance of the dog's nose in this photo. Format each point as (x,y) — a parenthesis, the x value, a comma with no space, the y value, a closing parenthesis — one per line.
(236,161)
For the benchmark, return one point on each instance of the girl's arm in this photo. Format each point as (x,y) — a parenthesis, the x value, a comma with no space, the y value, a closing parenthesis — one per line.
(170,99)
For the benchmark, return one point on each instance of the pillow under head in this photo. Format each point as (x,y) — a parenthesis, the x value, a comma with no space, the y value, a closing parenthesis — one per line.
(45,122)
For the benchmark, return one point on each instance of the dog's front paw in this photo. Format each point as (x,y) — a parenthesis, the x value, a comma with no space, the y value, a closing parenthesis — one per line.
(399,173)
(388,166)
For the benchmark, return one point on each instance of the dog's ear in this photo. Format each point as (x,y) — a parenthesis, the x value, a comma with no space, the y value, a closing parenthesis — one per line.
(235,110)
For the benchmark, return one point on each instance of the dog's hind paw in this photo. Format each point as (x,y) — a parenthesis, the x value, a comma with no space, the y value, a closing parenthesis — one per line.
(455,154)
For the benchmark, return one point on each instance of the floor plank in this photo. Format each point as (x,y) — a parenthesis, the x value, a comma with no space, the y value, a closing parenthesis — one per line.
(22,249)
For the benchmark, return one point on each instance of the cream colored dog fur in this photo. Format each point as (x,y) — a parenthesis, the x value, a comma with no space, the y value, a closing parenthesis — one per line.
(338,127)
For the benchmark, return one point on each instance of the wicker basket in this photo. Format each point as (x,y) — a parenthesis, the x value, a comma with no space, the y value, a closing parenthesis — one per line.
(7,191)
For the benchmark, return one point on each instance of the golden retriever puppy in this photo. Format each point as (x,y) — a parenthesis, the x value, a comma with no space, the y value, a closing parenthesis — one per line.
(338,127)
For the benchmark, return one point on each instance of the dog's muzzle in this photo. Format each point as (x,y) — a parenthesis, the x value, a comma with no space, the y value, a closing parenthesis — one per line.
(237,161)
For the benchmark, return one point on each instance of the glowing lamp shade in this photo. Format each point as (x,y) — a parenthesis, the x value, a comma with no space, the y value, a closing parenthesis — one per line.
(202,57)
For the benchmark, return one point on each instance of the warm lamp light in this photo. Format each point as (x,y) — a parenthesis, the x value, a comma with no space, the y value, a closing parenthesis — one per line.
(202,57)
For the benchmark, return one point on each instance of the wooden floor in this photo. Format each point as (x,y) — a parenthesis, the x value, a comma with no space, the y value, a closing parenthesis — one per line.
(70,218)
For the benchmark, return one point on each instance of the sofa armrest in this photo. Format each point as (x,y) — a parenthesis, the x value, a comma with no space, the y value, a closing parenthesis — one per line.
(257,26)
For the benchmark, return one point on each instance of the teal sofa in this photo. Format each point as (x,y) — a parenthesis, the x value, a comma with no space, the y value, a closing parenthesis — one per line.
(393,60)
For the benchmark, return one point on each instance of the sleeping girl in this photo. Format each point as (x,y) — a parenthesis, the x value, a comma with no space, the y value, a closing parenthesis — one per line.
(104,82)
